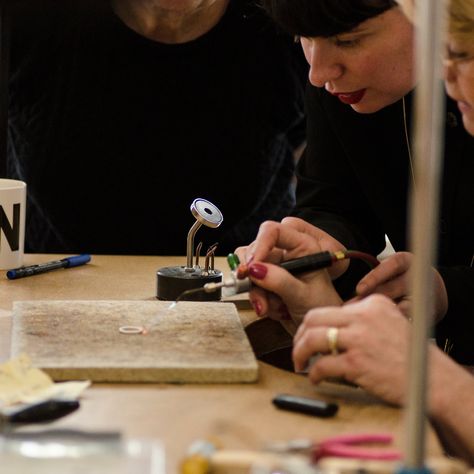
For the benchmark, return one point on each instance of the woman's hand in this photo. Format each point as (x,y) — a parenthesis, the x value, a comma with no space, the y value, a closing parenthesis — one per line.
(278,294)
(391,278)
(272,246)
(372,340)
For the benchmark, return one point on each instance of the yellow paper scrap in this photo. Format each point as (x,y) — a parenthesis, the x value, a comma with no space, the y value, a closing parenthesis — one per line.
(20,382)
(19,379)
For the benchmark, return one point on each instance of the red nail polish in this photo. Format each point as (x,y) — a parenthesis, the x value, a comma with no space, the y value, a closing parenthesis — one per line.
(258,271)
(242,271)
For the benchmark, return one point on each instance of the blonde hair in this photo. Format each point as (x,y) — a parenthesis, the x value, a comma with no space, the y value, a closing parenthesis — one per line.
(461,17)
(461,20)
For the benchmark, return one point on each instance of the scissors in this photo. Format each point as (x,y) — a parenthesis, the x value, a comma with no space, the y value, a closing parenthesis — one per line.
(344,446)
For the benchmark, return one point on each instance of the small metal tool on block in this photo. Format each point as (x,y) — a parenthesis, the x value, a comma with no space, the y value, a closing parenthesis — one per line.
(174,281)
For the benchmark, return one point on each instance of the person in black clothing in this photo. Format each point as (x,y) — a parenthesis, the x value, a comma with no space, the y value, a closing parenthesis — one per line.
(371,335)
(122,113)
(353,178)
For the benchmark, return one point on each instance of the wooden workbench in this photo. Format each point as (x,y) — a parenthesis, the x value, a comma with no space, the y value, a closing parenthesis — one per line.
(239,415)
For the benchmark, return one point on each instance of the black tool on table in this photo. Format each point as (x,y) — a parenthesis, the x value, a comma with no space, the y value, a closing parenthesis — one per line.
(309,406)
(48,410)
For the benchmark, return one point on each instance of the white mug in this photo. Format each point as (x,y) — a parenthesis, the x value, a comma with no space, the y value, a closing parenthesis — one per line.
(12,223)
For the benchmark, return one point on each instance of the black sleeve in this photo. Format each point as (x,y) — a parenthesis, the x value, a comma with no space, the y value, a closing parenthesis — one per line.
(455,333)
(329,194)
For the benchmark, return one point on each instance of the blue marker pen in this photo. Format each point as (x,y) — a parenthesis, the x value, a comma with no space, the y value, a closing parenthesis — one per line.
(67,262)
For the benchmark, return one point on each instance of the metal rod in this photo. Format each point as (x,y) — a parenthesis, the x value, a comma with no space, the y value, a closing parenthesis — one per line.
(198,253)
(190,245)
(428,140)
(209,257)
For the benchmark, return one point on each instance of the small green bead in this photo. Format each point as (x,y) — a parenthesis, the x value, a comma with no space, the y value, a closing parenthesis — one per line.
(233,261)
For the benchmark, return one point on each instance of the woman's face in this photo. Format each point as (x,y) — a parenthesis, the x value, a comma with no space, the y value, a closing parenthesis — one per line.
(368,67)
(459,75)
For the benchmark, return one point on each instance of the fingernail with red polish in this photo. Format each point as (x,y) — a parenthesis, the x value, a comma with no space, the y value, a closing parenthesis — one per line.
(242,271)
(258,271)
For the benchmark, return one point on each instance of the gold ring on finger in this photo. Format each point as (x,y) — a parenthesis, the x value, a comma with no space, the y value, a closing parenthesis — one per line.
(331,336)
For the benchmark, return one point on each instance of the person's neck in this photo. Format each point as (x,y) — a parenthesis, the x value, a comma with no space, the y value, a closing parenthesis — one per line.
(168,25)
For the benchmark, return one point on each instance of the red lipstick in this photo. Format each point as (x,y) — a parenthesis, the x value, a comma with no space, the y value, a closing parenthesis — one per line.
(350,97)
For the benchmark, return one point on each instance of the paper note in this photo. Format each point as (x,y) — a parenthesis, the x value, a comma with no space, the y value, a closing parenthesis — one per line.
(20,382)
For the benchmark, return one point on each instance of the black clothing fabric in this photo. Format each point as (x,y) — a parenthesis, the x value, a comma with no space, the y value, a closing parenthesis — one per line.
(115,134)
(353,181)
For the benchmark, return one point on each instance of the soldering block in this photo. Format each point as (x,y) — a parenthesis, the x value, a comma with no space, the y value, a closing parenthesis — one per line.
(196,342)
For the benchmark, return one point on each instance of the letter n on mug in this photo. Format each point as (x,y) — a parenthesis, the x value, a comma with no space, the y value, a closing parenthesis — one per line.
(12,223)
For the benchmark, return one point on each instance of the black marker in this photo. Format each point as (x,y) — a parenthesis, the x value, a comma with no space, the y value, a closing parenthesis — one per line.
(309,406)
(67,262)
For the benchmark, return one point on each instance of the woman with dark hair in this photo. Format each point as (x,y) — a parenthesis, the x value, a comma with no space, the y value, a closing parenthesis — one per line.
(324,18)
(369,337)
(354,175)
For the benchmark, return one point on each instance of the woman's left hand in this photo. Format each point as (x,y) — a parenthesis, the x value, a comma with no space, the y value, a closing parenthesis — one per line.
(276,293)
(372,340)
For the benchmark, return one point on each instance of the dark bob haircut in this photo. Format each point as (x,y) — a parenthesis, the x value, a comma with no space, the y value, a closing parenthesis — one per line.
(324,18)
